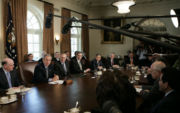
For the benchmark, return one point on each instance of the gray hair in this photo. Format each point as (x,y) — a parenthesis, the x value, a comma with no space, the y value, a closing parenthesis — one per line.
(158,65)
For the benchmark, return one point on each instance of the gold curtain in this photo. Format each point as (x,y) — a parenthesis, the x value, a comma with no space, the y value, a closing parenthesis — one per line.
(19,14)
(48,33)
(85,36)
(65,38)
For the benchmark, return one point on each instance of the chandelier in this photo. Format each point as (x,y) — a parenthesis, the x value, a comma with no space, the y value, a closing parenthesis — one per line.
(123,5)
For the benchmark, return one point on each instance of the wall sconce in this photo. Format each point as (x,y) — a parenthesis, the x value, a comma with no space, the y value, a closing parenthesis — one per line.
(175,20)
(57,38)
(123,5)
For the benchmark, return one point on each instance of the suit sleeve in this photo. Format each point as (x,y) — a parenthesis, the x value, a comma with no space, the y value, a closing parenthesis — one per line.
(38,75)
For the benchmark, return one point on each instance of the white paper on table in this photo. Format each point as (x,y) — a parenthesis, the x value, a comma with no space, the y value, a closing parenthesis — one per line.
(138,90)
(57,82)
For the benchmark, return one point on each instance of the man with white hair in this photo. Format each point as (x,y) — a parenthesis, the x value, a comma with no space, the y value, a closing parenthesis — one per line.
(151,94)
(8,76)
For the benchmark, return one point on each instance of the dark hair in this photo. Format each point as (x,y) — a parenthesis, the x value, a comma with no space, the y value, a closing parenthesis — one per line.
(171,75)
(98,54)
(114,86)
(29,54)
(3,63)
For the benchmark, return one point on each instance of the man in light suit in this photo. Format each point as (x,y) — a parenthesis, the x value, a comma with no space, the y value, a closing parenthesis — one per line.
(44,71)
(8,76)
(170,85)
(62,67)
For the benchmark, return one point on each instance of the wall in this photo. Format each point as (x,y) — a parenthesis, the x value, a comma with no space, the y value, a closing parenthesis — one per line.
(2,55)
(157,8)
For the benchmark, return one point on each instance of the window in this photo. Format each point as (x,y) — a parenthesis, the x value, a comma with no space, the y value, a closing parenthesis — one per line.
(34,35)
(75,38)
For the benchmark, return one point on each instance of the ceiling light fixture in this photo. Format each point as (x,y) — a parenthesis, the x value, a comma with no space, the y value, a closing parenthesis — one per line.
(175,20)
(123,5)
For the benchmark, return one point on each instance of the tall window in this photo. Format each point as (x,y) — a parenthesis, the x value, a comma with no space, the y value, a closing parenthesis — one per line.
(75,38)
(34,35)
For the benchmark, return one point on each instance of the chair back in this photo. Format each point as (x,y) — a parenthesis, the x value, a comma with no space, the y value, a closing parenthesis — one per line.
(27,71)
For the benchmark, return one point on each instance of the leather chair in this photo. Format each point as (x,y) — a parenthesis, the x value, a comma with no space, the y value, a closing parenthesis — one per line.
(27,71)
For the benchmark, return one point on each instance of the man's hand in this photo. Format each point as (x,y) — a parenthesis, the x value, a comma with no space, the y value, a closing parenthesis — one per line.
(55,78)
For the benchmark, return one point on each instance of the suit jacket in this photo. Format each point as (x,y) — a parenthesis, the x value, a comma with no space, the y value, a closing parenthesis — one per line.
(3,80)
(59,70)
(74,66)
(127,61)
(168,104)
(150,98)
(40,73)
(115,62)
(94,65)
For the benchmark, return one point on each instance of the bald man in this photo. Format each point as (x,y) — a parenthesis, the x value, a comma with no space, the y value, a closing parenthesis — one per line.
(8,76)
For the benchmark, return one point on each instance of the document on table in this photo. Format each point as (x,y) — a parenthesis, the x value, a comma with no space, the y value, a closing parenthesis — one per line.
(57,82)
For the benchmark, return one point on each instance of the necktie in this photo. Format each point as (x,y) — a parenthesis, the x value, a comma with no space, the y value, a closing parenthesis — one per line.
(9,79)
(112,63)
(47,72)
(80,65)
(65,69)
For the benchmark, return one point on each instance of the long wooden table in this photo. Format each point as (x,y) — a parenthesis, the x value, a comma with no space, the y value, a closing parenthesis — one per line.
(46,98)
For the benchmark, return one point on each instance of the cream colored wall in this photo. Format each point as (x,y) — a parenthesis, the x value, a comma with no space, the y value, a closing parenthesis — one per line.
(96,35)
(162,8)
(58,5)
(2,55)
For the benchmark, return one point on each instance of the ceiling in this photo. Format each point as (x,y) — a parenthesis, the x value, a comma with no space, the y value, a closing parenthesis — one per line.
(92,3)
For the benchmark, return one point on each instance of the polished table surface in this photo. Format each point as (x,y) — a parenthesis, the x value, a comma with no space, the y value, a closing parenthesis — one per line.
(46,98)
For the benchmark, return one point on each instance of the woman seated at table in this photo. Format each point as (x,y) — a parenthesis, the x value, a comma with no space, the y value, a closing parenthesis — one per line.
(115,93)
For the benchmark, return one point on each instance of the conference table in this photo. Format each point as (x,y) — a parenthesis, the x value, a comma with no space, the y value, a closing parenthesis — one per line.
(57,98)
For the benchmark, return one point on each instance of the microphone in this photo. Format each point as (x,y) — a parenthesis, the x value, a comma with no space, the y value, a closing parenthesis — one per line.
(49,20)
(110,107)
(67,26)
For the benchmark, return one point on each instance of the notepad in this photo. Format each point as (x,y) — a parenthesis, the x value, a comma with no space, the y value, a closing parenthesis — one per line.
(57,82)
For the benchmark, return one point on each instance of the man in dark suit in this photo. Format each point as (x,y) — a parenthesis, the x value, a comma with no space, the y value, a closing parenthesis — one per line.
(8,76)
(112,61)
(78,65)
(56,57)
(97,64)
(169,84)
(62,67)
(130,59)
(44,71)
(151,94)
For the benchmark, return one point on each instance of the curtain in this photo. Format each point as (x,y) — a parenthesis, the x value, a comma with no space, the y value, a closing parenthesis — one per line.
(19,14)
(85,37)
(65,38)
(48,33)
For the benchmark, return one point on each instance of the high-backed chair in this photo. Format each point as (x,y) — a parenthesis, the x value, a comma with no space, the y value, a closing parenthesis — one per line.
(27,71)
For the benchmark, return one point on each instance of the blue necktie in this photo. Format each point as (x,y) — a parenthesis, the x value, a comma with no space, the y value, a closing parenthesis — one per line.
(8,76)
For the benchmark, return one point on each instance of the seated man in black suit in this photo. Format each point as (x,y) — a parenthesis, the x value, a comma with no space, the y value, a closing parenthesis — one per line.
(115,94)
(130,60)
(112,61)
(170,85)
(44,71)
(97,64)
(62,68)
(77,65)
(56,57)
(8,76)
